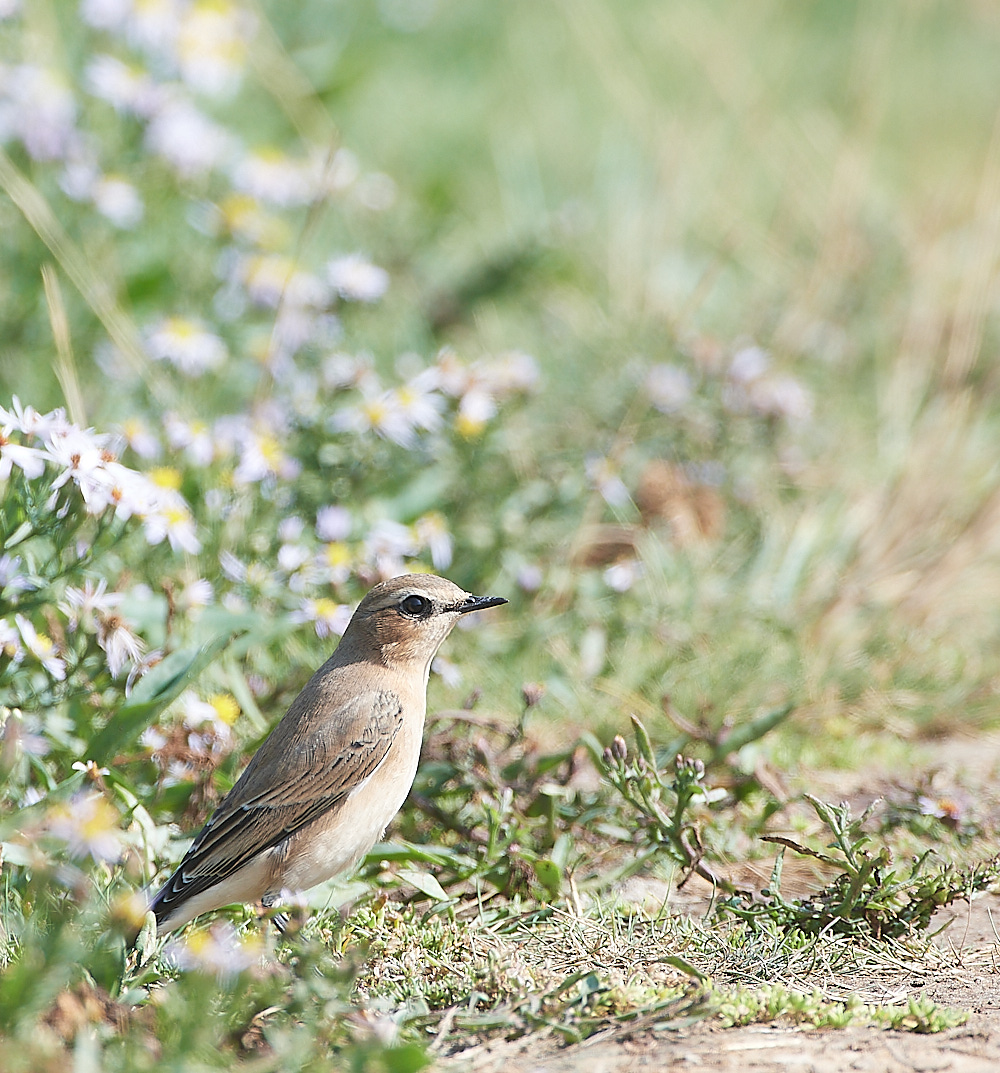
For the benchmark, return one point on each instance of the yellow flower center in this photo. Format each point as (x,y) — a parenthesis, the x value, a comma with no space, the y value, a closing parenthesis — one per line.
(226,707)
(166,477)
(337,554)
(325,607)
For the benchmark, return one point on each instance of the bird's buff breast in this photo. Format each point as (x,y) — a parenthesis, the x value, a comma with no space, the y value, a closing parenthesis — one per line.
(336,842)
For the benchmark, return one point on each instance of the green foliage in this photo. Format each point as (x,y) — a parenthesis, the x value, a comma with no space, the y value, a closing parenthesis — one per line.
(746,1007)
(870,896)
(516,293)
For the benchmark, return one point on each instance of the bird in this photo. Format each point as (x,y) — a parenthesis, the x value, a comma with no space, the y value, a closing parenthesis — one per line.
(324,784)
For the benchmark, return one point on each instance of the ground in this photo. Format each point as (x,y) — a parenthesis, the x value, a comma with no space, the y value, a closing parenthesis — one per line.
(967,977)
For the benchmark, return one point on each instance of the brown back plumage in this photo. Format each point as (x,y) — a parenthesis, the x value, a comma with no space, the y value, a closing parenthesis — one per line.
(334,739)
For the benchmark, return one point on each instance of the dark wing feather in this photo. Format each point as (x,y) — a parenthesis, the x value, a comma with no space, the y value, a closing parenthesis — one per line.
(309,773)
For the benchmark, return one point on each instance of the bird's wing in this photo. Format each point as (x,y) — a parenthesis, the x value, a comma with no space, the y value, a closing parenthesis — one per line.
(290,782)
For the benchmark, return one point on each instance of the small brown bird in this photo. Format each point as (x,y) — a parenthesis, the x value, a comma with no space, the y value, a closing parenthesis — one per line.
(322,788)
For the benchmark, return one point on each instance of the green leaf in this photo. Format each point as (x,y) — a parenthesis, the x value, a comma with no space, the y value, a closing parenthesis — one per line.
(642,740)
(549,875)
(424,882)
(407,852)
(163,684)
(752,731)
(562,849)
(145,943)
(677,962)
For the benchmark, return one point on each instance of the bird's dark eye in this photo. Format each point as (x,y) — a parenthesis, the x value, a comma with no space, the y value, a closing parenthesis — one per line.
(415,606)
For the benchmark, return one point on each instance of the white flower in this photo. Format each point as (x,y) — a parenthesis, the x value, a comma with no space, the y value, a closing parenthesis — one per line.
(432,532)
(605,479)
(89,474)
(140,438)
(419,403)
(451,374)
(218,952)
(129,492)
(82,605)
(668,387)
(356,279)
(186,139)
(79,178)
(274,177)
(530,577)
(476,407)
(379,412)
(30,460)
(261,457)
(193,438)
(232,567)
(171,519)
(622,576)
(152,657)
(292,556)
(105,14)
(751,386)
(273,278)
(28,420)
(118,200)
(10,642)
(450,673)
(327,615)
(153,25)
(341,371)
(19,733)
(37,107)
(333,563)
(509,374)
(197,594)
(81,453)
(386,545)
(88,824)
(212,45)
(187,345)
(129,90)
(292,328)
(11,578)
(121,646)
(291,528)
(197,713)
(245,218)
(782,396)
(42,648)
(749,364)
(333,523)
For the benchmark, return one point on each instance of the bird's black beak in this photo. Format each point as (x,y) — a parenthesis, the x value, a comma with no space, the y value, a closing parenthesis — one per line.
(478,603)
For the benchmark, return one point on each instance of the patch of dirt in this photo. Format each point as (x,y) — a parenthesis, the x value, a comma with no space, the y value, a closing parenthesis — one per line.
(973,984)
(967,977)
(972,1048)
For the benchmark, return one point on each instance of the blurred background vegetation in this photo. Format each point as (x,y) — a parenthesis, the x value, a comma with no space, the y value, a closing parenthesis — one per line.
(702,297)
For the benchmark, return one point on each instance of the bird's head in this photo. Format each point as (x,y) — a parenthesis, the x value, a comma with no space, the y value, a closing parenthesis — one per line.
(404,620)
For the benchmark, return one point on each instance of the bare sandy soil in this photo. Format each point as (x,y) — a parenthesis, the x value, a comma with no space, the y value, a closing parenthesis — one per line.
(970,981)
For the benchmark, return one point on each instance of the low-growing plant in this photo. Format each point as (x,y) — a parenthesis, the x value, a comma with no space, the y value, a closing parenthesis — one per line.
(871,896)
